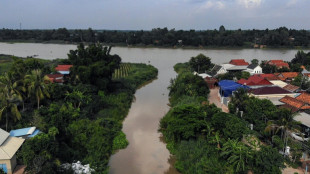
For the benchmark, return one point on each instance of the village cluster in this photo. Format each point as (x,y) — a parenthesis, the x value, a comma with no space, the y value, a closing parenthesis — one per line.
(275,87)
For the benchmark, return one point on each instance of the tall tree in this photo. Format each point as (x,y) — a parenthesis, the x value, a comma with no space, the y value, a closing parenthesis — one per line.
(36,86)
(285,123)
(9,99)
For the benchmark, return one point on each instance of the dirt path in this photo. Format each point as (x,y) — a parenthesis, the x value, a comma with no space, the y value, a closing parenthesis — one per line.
(214,98)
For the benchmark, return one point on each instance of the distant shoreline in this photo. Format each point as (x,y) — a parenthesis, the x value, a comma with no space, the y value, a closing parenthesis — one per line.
(154,46)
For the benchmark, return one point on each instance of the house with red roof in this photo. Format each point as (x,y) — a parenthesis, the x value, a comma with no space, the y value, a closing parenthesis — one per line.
(294,104)
(55,78)
(288,76)
(269,76)
(304,97)
(239,62)
(63,69)
(278,63)
(255,82)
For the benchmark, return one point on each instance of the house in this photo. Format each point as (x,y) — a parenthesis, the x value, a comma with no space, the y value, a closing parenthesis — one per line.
(227,87)
(294,104)
(55,78)
(292,88)
(288,76)
(278,63)
(239,62)
(63,69)
(25,133)
(255,82)
(220,69)
(270,92)
(8,148)
(254,69)
(304,119)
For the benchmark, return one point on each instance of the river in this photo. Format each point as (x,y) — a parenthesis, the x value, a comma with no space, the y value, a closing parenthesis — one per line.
(146,152)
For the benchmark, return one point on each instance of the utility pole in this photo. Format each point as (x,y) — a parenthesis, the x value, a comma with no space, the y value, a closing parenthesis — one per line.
(20,26)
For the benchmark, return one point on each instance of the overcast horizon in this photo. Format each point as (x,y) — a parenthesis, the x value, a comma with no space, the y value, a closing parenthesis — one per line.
(146,14)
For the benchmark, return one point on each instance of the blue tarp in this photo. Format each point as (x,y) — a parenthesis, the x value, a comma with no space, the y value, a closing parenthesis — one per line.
(228,86)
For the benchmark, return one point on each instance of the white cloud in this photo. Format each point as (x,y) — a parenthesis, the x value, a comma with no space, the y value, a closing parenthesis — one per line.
(212,5)
(250,3)
(291,3)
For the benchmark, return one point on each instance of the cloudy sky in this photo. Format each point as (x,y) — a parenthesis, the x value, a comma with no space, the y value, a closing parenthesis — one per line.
(148,14)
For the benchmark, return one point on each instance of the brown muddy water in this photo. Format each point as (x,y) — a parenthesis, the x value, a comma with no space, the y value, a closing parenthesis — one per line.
(146,152)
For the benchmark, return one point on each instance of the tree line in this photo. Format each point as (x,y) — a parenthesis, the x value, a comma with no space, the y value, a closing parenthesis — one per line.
(162,37)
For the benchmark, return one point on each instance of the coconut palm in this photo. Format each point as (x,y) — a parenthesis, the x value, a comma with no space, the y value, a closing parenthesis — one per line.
(36,86)
(10,97)
(285,123)
(238,98)
(238,155)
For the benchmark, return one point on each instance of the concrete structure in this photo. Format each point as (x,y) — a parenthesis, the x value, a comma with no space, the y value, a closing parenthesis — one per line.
(8,148)
(254,69)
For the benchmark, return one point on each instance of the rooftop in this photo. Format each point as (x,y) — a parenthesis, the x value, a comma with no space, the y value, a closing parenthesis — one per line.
(28,132)
(63,67)
(10,147)
(252,66)
(292,102)
(287,75)
(269,90)
(254,81)
(239,62)
(304,118)
(304,97)
(291,88)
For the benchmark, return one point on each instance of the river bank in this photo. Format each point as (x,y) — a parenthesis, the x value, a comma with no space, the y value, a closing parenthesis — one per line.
(156,46)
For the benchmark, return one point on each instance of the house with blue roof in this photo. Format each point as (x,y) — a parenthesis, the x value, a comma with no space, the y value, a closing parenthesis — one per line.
(227,87)
(25,133)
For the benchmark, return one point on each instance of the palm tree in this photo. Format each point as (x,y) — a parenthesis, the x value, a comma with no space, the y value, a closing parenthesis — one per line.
(10,95)
(36,86)
(237,154)
(238,98)
(285,124)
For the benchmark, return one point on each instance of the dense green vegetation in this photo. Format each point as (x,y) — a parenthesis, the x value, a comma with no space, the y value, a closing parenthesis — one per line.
(162,37)
(81,120)
(206,140)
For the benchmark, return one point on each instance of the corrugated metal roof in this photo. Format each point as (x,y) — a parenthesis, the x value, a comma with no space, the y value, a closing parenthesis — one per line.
(3,136)
(9,147)
(278,83)
(22,132)
(304,118)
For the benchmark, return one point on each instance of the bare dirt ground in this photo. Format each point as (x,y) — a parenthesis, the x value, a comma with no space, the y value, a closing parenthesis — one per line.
(19,169)
(214,98)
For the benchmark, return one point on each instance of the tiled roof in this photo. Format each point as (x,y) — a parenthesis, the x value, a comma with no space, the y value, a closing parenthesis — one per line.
(278,63)
(304,97)
(289,74)
(63,67)
(254,81)
(291,88)
(289,107)
(238,62)
(269,90)
(292,102)
(269,76)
